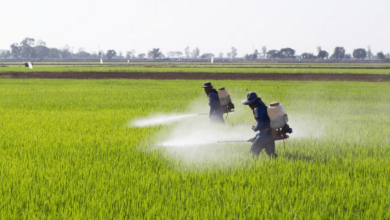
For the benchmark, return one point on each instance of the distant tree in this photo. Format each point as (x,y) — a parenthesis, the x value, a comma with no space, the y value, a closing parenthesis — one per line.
(141,55)
(171,54)
(233,52)
(5,54)
(255,54)
(381,56)
(187,52)
(94,55)
(40,43)
(369,53)
(286,53)
(348,56)
(359,53)
(248,56)
(110,54)
(26,45)
(322,54)
(129,55)
(174,54)
(195,53)
(27,42)
(101,54)
(252,56)
(220,55)
(319,49)
(55,53)
(66,52)
(264,50)
(273,54)
(179,54)
(155,53)
(41,52)
(120,55)
(229,55)
(81,49)
(207,56)
(83,55)
(339,53)
(307,56)
(15,50)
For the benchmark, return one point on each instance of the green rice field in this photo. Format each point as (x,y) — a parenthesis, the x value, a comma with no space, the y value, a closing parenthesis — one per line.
(67,151)
(378,68)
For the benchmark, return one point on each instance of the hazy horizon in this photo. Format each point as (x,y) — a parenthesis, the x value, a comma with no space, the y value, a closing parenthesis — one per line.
(213,27)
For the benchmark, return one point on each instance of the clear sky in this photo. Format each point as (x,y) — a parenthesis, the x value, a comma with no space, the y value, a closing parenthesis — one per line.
(213,26)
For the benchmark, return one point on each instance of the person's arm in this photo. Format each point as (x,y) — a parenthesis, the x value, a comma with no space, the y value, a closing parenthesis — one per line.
(260,124)
(214,103)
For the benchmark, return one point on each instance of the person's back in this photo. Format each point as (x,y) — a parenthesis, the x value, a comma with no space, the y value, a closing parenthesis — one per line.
(215,114)
(261,116)
(263,138)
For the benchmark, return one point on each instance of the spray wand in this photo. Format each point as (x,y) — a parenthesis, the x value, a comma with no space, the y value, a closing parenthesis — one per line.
(237,141)
(232,141)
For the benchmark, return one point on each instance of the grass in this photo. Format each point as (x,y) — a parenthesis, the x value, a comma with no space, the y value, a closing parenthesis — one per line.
(66,153)
(201,67)
(208,64)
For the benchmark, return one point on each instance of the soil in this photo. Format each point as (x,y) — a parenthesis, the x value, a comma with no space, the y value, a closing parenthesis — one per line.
(204,76)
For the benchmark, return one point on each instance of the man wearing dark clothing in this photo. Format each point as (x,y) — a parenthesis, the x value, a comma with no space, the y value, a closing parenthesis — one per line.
(216,114)
(263,138)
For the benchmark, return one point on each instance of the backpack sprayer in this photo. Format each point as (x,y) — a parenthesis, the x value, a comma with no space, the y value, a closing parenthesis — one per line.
(278,124)
(278,121)
(225,101)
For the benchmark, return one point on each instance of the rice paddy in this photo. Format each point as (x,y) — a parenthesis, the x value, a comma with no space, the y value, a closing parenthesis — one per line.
(383,68)
(67,152)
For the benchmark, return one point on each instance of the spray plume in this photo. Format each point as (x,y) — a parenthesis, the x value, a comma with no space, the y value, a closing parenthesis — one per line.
(194,140)
(160,119)
(191,133)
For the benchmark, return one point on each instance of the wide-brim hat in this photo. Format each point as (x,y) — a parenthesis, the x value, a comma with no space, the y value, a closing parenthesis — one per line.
(250,98)
(207,84)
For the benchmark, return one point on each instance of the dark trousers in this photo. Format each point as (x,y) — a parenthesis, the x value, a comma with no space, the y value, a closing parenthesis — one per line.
(264,141)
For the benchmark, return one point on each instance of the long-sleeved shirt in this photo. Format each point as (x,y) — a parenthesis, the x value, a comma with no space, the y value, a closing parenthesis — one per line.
(215,106)
(261,116)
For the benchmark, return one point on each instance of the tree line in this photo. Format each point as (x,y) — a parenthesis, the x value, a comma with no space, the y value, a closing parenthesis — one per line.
(28,48)
(338,54)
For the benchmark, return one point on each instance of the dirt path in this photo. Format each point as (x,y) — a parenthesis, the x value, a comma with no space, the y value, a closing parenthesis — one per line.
(205,76)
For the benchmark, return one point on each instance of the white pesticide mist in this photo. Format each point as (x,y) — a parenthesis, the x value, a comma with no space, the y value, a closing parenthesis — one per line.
(197,132)
(305,126)
(160,119)
(195,140)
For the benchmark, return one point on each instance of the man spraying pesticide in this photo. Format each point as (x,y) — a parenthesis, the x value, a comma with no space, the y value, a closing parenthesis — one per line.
(219,102)
(271,125)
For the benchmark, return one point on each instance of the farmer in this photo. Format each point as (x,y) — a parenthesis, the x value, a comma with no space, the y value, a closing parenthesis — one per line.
(263,138)
(215,114)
